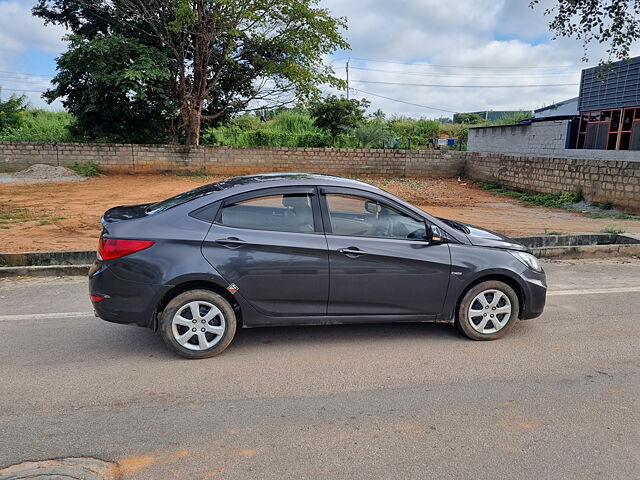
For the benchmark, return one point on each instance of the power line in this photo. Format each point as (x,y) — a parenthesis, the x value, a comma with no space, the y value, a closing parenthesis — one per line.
(486,67)
(14,73)
(472,75)
(469,86)
(20,80)
(402,101)
(21,90)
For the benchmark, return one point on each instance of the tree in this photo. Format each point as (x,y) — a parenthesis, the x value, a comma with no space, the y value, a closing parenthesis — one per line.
(467,118)
(221,56)
(115,87)
(369,133)
(12,111)
(338,115)
(614,22)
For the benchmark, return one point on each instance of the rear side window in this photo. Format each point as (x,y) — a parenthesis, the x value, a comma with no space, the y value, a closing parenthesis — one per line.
(282,213)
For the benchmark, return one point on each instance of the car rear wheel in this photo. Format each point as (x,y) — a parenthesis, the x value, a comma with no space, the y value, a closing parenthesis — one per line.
(488,311)
(198,324)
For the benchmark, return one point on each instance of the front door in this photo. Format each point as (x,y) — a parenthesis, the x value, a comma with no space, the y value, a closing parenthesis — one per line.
(271,245)
(380,262)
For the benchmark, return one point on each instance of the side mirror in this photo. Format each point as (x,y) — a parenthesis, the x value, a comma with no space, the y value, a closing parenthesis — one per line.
(372,207)
(435,235)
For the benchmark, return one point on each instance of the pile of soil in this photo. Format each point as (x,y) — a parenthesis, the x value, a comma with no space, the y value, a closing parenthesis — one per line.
(39,173)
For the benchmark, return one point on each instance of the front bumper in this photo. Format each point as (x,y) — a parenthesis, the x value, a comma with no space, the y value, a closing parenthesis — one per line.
(125,302)
(534,288)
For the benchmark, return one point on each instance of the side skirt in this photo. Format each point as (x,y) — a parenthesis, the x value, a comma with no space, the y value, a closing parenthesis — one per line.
(340,320)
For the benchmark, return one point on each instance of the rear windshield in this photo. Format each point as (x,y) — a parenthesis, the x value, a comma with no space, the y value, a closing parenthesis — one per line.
(184,198)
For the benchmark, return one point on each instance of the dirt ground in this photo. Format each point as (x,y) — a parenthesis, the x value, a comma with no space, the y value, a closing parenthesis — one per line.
(66,216)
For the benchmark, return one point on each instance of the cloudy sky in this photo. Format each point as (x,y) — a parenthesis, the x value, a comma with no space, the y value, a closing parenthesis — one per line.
(423,58)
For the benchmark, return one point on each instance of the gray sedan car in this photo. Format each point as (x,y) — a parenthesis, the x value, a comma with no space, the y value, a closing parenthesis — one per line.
(303,249)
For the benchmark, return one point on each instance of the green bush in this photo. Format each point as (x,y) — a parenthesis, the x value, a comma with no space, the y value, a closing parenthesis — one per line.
(264,138)
(86,169)
(40,126)
(12,112)
(615,229)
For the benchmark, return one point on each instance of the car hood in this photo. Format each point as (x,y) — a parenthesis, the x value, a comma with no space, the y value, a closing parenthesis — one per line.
(486,238)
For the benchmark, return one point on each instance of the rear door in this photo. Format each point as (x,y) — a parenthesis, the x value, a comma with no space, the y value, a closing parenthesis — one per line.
(380,262)
(270,243)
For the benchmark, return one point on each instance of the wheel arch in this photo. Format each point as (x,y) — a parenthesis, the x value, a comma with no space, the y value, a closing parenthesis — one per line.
(496,277)
(197,285)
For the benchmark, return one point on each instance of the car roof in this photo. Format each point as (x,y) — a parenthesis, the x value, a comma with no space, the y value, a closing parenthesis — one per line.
(248,183)
(284,179)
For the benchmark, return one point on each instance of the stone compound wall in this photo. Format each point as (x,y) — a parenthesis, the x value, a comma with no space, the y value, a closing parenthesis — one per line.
(544,139)
(235,160)
(598,180)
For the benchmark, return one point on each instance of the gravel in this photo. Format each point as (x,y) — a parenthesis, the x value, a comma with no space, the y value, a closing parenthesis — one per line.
(41,173)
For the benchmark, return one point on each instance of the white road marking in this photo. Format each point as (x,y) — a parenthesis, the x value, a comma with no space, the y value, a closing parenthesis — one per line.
(44,316)
(553,293)
(593,291)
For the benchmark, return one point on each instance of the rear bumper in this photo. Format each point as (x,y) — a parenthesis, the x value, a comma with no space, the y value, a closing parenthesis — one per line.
(535,294)
(125,302)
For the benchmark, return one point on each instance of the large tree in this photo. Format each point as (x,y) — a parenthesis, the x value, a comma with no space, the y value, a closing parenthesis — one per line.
(338,115)
(615,23)
(194,60)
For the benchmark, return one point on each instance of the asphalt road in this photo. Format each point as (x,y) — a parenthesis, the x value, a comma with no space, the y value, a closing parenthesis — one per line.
(557,398)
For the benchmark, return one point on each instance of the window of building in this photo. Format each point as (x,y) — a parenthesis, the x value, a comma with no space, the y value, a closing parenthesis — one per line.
(617,129)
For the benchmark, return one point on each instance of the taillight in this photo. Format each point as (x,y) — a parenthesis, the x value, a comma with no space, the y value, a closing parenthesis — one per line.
(110,248)
(97,298)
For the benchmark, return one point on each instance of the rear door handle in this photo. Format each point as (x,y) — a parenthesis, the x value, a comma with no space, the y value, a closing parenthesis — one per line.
(352,251)
(231,242)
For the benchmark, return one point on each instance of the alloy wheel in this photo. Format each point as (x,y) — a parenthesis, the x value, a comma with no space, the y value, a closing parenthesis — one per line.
(198,325)
(489,311)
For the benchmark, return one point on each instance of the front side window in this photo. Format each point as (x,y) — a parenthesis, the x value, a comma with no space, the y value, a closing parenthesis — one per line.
(282,212)
(362,217)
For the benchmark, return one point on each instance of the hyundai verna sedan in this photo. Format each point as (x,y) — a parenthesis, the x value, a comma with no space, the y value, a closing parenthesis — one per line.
(303,249)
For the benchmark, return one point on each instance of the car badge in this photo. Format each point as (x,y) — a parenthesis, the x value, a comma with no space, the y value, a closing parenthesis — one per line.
(233,288)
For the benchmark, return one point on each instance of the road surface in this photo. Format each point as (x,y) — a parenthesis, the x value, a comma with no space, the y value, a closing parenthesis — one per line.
(557,398)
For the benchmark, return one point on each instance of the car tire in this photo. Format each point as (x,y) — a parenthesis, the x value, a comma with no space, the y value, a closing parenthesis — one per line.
(198,324)
(488,311)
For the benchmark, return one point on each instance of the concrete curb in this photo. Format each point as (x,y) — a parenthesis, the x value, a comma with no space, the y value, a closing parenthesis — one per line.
(44,271)
(587,245)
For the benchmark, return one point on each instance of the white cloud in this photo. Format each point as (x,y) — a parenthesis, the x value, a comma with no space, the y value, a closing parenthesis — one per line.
(462,34)
(22,34)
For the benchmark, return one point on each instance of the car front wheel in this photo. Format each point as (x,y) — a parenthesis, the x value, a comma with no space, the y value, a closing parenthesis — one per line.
(488,311)
(198,324)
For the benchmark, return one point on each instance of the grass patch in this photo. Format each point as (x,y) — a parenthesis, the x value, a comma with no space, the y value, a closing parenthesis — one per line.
(193,173)
(615,229)
(86,169)
(551,232)
(9,216)
(616,216)
(549,200)
(608,205)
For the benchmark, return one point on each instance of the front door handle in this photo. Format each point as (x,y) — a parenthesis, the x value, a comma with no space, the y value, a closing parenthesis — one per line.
(231,242)
(352,251)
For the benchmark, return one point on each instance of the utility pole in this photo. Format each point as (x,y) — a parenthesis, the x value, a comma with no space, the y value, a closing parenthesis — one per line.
(348,59)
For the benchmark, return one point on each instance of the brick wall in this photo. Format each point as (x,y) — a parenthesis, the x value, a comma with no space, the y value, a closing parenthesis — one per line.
(234,160)
(598,180)
(543,139)
(546,137)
